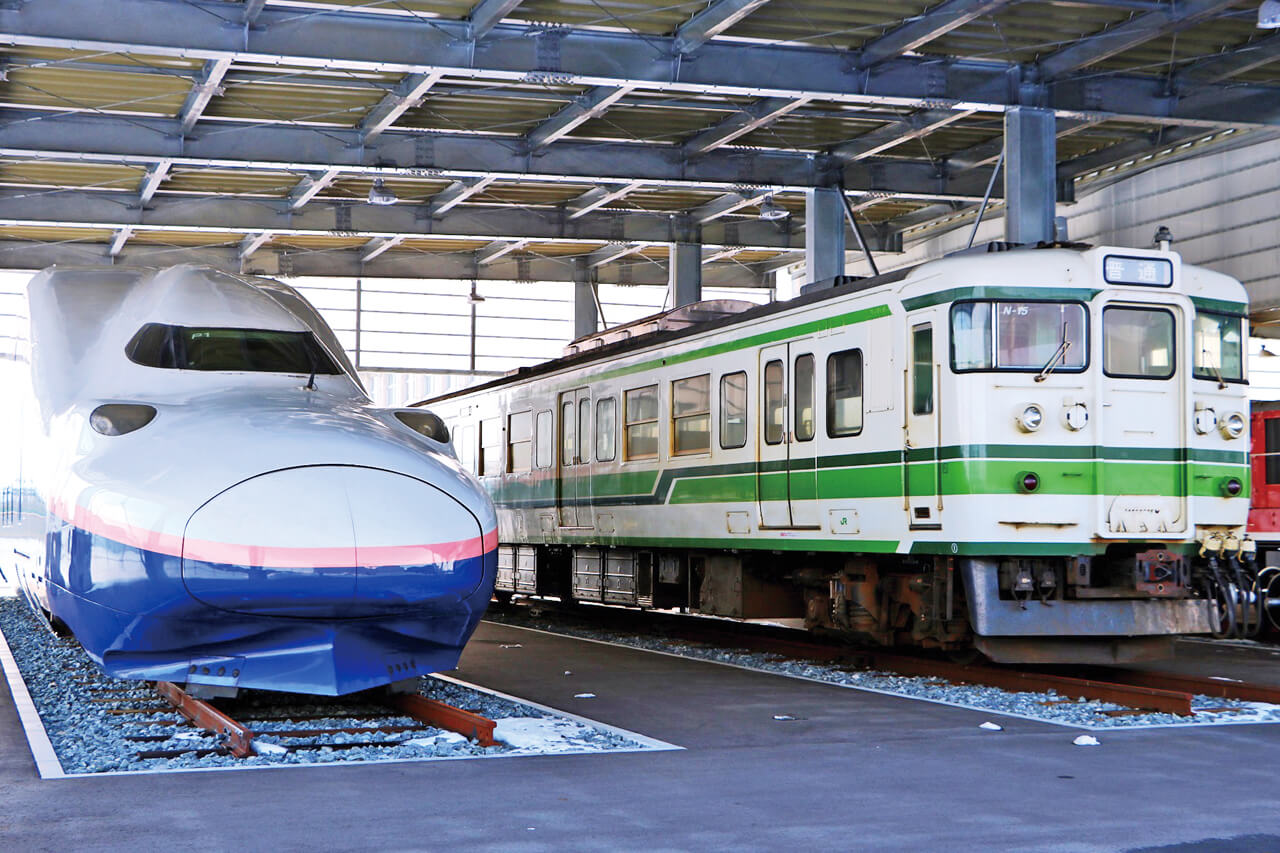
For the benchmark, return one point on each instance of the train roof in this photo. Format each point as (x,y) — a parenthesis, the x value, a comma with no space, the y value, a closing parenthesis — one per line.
(719,320)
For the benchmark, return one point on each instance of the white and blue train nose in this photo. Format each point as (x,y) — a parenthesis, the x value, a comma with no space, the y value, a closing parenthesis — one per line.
(332,542)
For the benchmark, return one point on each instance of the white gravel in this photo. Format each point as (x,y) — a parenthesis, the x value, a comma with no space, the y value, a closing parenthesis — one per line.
(89,739)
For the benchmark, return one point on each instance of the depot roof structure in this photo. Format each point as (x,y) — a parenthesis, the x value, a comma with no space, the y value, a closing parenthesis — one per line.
(508,139)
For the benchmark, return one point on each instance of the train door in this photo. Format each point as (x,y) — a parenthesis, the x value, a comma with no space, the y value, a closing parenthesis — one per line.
(573,477)
(786,471)
(922,433)
(1142,418)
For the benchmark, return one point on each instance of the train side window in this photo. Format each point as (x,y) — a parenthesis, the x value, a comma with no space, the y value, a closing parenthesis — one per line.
(733,410)
(490,447)
(775,409)
(568,433)
(844,393)
(584,430)
(640,411)
(606,429)
(1218,353)
(804,398)
(691,414)
(519,442)
(922,370)
(464,442)
(542,442)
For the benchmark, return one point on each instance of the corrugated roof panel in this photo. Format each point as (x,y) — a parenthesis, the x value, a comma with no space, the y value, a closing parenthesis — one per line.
(481,112)
(262,101)
(406,189)
(826,23)
(642,16)
(519,193)
(439,246)
(185,238)
(48,173)
(650,124)
(55,86)
(229,181)
(55,235)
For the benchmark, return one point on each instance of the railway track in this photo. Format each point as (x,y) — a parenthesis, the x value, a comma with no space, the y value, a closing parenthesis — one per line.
(360,722)
(1139,691)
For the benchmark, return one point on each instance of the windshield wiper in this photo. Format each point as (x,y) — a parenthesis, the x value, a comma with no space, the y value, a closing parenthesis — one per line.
(311,360)
(1217,374)
(1058,355)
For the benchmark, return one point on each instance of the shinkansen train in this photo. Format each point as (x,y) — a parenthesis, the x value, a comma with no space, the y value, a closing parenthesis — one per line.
(196,485)
(1040,453)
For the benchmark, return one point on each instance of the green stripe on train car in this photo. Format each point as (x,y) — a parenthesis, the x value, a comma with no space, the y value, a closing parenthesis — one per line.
(1222,306)
(752,542)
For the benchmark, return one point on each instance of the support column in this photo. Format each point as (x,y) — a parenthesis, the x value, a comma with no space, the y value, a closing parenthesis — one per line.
(584,300)
(823,234)
(684,278)
(1030,174)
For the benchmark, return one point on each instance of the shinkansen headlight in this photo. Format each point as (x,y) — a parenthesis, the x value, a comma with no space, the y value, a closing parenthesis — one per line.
(425,423)
(1030,418)
(121,418)
(1232,426)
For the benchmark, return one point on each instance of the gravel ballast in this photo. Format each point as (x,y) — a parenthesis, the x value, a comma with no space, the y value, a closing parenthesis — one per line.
(80,709)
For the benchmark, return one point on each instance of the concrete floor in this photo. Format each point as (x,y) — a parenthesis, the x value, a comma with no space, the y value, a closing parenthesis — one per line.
(854,771)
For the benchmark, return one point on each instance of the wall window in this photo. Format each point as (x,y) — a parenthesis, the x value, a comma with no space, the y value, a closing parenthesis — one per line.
(519,442)
(844,393)
(543,442)
(641,414)
(691,414)
(775,410)
(922,370)
(804,398)
(490,447)
(1218,354)
(733,410)
(606,429)
(1137,343)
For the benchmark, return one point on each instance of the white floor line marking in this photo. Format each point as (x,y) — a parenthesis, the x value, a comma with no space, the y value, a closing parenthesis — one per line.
(977,708)
(47,764)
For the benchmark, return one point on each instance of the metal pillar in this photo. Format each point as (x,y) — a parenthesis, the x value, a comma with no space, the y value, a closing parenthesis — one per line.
(823,235)
(684,278)
(1029,175)
(584,300)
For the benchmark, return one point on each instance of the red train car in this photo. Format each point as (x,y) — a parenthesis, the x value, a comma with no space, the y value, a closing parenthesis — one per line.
(1264,504)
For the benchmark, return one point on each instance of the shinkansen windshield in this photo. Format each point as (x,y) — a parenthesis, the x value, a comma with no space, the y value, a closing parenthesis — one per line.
(1018,336)
(238,350)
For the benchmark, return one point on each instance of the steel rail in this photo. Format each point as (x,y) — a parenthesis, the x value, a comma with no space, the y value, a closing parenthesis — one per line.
(202,714)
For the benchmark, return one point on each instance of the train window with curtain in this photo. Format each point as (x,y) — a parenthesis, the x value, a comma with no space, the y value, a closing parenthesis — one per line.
(568,433)
(606,429)
(1137,343)
(844,393)
(691,414)
(804,398)
(519,442)
(490,447)
(775,397)
(543,431)
(733,410)
(922,370)
(640,410)
(1218,351)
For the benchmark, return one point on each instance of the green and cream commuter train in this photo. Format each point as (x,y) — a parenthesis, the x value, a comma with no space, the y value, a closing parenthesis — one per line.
(1038,452)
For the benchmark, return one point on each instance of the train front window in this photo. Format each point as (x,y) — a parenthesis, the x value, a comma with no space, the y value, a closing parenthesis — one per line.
(236,350)
(1018,336)
(1218,347)
(1137,343)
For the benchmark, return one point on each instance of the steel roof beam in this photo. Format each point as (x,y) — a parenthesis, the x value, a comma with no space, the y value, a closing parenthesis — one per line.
(609,254)
(352,41)
(719,16)
(311,186)
(582,109)
(750,118)
(486,14)
(598,197)
(404,97)
(252,9)
(922,29)
(198,98)
(151,181)
(251,243)
(118,240)
(499,248)
(456,193)
(1253,55)
(726,204)
(1085,52)
(325,152)
(895,133)
(237,216)
(378,245)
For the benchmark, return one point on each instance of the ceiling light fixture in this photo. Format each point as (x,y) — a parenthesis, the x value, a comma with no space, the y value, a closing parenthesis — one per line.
(771,212)
(380,195)
(1269,15)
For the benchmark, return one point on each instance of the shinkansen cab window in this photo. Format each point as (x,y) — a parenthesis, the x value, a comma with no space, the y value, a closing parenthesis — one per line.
(1218,348)
(1138,343)
(238,350)
(1018,336)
